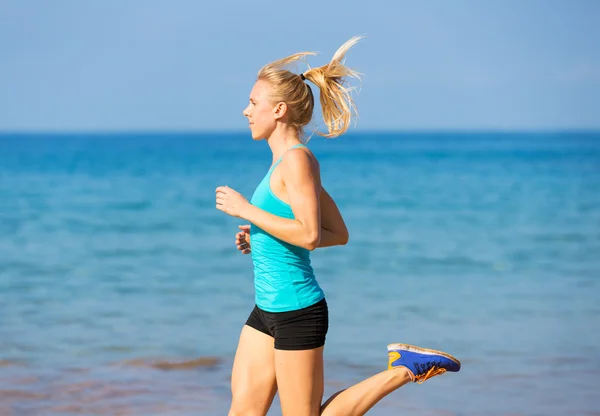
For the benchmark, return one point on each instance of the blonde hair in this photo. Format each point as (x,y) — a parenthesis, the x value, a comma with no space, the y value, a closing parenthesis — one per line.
(336,101)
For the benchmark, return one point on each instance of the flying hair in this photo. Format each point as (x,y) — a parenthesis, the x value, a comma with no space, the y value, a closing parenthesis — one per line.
(337,105)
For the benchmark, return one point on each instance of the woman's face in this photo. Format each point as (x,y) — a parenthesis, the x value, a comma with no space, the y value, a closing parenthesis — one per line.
(261,112)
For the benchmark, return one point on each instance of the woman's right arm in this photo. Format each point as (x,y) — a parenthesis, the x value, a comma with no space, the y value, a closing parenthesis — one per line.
(333,228)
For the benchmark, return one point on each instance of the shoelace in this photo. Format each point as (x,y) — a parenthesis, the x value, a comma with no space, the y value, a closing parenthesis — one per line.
(433,371)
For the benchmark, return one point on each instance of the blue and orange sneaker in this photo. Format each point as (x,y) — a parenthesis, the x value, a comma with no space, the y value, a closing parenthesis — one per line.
(421,362)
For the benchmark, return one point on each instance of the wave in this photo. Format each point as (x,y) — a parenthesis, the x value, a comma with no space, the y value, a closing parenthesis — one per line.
(162,364)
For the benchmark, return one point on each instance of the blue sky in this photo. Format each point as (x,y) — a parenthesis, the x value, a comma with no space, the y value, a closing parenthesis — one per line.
(189,65)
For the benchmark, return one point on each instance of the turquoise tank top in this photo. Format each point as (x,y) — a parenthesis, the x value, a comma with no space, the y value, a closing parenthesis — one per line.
(283,275)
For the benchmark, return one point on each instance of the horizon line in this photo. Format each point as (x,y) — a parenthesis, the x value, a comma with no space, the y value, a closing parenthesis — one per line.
(106,132)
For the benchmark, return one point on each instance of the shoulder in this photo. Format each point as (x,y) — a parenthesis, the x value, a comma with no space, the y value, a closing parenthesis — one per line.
(299,162)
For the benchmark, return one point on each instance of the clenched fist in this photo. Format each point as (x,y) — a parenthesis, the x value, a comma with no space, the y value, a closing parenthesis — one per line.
(230,201)
(242,239)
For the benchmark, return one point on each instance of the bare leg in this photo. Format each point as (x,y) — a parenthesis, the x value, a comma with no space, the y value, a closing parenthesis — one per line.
(358,399)
(253,385)
(300,381)
(407,363)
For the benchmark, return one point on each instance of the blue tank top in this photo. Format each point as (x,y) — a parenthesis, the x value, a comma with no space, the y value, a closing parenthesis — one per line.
(283,275)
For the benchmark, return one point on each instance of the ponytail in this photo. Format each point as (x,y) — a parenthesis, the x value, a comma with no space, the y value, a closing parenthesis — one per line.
(336,101)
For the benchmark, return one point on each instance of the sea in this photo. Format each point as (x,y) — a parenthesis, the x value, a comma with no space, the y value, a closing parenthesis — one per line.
(122,292)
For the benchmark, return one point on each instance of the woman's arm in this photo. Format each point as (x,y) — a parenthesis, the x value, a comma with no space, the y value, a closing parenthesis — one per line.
(317,223)
(300,173)
(333,228)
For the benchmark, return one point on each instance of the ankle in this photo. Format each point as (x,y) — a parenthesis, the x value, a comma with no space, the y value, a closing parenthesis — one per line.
(402,374)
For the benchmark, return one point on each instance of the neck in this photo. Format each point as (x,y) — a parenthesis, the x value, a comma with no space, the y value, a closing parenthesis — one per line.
(282,138)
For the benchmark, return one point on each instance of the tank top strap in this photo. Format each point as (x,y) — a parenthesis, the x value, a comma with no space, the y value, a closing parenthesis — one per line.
(281,158)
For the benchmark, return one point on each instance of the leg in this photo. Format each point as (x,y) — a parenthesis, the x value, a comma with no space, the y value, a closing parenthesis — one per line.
(361,397)
(299,343)
(407,363)
(300,381)
(253,385)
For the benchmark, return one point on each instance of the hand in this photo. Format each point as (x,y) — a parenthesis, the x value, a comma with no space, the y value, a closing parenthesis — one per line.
(242,239)
(230,201)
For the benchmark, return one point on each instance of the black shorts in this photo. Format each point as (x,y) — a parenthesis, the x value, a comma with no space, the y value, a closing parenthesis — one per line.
(302,329)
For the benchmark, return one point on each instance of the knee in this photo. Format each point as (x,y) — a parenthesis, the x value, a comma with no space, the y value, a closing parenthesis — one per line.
(243,408)
(235,411)
(242,412)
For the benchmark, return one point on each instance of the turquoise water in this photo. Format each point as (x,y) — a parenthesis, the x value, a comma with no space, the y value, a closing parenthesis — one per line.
(113,260)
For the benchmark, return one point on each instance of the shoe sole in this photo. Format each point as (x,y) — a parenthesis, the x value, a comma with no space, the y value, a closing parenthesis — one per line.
(414,348)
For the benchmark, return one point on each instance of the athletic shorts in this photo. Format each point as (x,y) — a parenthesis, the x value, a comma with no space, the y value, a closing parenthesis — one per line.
(302,329)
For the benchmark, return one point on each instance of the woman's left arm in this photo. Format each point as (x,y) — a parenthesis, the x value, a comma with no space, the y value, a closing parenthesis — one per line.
(301,176)
(333,228)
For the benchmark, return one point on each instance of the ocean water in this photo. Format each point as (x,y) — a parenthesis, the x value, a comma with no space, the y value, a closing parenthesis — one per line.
(122,293)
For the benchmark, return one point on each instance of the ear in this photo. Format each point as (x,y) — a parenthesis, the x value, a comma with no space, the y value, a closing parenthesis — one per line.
(279,110)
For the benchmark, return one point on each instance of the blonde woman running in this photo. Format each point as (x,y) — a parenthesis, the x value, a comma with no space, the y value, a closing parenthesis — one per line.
(281,346)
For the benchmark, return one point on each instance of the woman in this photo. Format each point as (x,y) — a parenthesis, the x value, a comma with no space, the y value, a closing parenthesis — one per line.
(281,346)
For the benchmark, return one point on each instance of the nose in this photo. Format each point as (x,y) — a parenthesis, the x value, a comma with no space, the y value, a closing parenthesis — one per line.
(245,112)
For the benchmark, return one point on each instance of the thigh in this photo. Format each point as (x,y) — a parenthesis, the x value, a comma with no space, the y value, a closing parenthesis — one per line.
(299,342)
(300,383)
(253,383)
